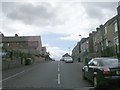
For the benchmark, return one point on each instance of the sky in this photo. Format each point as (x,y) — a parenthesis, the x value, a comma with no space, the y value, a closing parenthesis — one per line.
(58,22)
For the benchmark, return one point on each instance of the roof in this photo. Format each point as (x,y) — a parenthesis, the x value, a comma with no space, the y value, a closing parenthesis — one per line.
(66,55)
(21,38)
(111,20)
(83,40)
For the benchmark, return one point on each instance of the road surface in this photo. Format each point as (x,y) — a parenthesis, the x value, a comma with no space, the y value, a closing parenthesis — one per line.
(50,75)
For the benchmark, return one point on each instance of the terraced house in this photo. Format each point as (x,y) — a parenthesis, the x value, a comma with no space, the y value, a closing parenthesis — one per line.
(18,48)
(76,52)
(111,37)
(103,42)
(106,39)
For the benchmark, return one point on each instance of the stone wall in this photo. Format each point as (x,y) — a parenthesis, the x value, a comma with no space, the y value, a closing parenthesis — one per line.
(8,64)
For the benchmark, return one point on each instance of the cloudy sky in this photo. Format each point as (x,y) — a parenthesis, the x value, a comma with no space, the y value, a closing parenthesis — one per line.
(58,22)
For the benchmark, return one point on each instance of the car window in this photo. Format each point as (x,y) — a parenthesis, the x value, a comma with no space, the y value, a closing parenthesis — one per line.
(90,62)
(109,62)
(93,63)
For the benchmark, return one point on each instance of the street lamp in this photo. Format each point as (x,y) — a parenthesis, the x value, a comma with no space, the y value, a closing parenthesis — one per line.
(79,48)
(79,42)
(80,36)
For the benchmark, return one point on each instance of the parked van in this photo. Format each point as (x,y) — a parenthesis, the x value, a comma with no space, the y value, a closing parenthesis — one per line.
(68,59)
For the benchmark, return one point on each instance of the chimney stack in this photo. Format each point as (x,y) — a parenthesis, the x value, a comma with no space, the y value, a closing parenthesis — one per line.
(16,35)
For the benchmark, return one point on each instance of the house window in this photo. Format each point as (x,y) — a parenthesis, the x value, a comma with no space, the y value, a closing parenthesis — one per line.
(115,26)
(106,41)
(116,41)
(102,46)
(8,44)
(105,30)
(95,48)
(95,39)
(1,44)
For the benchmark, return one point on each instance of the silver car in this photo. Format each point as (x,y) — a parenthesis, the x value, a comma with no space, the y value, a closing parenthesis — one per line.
(68,60)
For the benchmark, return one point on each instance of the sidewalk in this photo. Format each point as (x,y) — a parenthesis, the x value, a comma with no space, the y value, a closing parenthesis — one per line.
(13,71)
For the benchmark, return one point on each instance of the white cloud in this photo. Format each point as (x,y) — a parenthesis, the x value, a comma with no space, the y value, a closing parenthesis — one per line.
(70,18)
(73,37)
(10,28)
(55,52)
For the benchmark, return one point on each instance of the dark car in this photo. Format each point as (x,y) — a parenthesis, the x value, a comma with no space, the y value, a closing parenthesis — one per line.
(103,72)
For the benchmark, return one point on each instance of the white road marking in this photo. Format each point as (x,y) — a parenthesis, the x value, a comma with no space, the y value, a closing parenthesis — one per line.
(12,76)
(58,69)
(58,78)
(58,72)
(16,74)
(58,64)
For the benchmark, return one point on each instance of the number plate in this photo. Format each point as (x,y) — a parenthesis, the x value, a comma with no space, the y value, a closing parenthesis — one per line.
(118,72)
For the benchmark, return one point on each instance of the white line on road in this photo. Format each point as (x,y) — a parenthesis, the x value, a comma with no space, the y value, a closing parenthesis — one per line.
(58,72)
(16,74)
(58,69)
(58,78)
(58,64)
(12,76)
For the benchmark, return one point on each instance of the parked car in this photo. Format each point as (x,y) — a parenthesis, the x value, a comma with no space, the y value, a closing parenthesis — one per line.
(102,72)
(28,61)
(68,59)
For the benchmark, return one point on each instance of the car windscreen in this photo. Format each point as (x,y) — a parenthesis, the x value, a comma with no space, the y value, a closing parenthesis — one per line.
(109,62)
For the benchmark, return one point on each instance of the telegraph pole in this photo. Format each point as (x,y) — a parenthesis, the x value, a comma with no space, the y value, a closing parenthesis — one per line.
(69,50)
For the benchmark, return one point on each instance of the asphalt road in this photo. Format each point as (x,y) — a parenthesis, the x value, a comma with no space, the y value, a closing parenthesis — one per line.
(51,75)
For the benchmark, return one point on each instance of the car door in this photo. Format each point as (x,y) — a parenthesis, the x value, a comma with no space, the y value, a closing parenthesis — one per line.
(86,68)
(91,68)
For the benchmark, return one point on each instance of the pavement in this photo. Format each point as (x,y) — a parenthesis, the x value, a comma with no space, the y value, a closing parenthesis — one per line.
(50,75)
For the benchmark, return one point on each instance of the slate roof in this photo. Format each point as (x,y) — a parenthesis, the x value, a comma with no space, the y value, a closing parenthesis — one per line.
(66,55)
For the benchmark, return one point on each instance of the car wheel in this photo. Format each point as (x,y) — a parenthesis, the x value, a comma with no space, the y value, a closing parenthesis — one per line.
(95,81)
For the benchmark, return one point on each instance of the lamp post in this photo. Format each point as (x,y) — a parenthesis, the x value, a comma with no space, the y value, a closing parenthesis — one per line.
(79,48)
(79,42)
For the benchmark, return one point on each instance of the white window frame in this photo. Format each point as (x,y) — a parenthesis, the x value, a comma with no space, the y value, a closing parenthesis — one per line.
(95,39)
(106,42)
(8,44)
(105,30)
(115,27)
(1,44)
(102,46)
(116,42)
